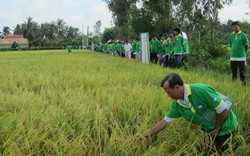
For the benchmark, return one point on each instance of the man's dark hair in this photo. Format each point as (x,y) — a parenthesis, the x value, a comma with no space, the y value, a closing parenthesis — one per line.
(173,79)
(178,30)
(235,23)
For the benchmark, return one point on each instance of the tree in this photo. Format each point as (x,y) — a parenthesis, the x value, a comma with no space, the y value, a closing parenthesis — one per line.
(18,29)
(44,30)
(211,9)
(109,34)
(184,11)
(97,27)
(142,21)
(1,35)
(6,30)
(197,25)
(61,27)
(72,32)
(121,10)
(163,14)
(30,29)
(52,31)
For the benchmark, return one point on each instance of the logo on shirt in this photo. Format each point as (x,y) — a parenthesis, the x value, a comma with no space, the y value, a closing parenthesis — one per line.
(199,105)
(214,98)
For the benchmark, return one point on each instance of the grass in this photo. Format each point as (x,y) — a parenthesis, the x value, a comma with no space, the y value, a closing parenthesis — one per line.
(86,103)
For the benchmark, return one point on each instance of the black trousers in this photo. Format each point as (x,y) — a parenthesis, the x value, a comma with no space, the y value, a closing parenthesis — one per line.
(220,143)
(220,140)
(166,61)
(183,60)
(153,57)
(172,62)
(234,68)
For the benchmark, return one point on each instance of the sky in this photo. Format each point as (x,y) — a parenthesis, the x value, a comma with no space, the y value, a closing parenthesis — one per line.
(80,13)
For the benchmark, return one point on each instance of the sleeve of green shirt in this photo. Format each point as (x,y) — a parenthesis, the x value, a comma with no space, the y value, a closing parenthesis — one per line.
(245,39)
(173,113)
(182,41)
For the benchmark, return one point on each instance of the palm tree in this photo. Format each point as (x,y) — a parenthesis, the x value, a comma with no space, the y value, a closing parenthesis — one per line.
(52,31)
(30,29)
(6,30)
(18,29)
(61,26)
(211,10)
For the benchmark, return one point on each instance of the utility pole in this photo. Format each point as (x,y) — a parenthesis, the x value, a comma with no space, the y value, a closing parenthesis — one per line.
(83,44)
(87,44)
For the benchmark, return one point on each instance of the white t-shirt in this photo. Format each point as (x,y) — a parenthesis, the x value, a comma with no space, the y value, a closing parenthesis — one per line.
(127,47)
(184,35)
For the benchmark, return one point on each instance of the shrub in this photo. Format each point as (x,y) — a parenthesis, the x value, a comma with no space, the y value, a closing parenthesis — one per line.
(199,58)
(14,45)
(219,64)
(219,50)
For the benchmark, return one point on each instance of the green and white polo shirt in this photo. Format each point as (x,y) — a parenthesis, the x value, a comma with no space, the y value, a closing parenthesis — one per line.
(134,46)
(162,47)
(237,42)
(138,47)
(178,44)
(154,45)
(169,46)
(202,103)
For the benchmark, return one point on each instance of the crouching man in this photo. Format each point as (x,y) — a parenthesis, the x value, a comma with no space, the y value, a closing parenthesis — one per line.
(199,104)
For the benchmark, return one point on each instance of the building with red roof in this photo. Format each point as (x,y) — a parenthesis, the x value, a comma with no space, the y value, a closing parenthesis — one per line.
(8,40)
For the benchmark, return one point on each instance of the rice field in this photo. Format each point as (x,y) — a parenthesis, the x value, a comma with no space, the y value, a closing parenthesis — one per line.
(89,103)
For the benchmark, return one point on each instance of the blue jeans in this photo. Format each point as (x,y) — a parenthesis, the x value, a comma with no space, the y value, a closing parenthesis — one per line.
(178,61)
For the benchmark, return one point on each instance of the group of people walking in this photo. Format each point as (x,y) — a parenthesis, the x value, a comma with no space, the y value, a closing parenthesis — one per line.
(170,51)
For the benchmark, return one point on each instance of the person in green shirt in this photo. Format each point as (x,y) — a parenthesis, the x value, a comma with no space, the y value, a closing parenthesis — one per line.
(116,53)
(111,48)
(117,47)
(154,44)
(201,105)
(169,49)
(122,48)
(239,44)
(138,50)
(171,58)
(105,47)
(162,51)
(102,47)
(69,48)
(178,47)
(134,47)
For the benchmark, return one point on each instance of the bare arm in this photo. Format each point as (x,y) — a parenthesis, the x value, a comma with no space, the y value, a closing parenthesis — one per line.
(157,128)
(220,118)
